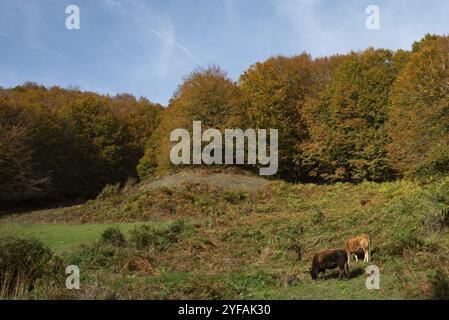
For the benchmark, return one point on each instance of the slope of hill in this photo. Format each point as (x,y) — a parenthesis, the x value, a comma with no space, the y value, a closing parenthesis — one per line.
(225,180)
(190,239)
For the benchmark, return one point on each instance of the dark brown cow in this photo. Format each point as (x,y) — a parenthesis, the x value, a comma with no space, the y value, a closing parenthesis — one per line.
(330,259)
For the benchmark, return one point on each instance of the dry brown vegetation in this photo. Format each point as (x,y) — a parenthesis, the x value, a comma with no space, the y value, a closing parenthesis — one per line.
(201,241)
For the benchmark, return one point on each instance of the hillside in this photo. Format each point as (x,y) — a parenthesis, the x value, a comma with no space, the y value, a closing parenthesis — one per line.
(206,239)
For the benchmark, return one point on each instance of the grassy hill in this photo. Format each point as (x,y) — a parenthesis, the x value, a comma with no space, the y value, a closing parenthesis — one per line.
(200,235)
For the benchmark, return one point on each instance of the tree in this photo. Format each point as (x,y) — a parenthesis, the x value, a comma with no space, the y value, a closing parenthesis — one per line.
(274,93)
(346,120)
(99,145)
(419,117)
(20,180)
(78,141)
(206,95)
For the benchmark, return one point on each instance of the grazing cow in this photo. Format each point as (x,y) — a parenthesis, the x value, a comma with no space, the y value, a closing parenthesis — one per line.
(355,244)
(329,259)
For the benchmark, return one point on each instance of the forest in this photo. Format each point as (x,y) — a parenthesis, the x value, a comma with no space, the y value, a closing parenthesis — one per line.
(376,115)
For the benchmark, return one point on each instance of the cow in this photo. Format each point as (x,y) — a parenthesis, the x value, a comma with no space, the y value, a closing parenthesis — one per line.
(355,244)
(329,259)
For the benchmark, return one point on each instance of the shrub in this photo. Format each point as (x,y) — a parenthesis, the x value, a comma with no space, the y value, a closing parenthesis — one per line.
(94,256)
(114,237)
(440,285)
(235,197)
(317,217)
(208,288)
(402,240)
(116,259)
(436,222)
(109,190)
(436,163)
(146,236)
(444,217)
(22,263)
(290,239)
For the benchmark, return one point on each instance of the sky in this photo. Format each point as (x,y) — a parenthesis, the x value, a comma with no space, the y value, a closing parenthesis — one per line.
(147,47)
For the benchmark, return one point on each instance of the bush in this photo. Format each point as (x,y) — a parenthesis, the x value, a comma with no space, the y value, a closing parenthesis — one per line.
(235,197)
(436,163)
(317,217)
(444,217)
(290,239)
(114,237)
(94,256)
(436,222)
(147,236)
(117,259)
(440,285)
(109,190)
(403,240)
(206,288)
(22,263)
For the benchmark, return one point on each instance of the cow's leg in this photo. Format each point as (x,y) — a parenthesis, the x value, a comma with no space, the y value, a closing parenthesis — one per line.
(365,255)
(356,258)
(345,270)
(324,275)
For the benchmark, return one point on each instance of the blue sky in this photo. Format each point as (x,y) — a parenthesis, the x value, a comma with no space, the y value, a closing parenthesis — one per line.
(146,47)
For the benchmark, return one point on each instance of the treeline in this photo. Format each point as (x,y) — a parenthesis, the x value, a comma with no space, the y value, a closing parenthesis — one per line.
(65,144)
(373,115)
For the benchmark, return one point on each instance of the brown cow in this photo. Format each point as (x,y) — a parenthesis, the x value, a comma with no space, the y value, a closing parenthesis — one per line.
(329,259)
(355,244)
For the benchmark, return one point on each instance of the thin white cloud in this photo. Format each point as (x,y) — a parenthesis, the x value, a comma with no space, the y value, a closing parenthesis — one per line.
(34,46)
(167,36)
(164,38)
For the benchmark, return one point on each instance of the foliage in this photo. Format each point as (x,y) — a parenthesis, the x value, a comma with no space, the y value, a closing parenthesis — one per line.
(347,120)
(373,115)
(440,285)
(147,236)
(273,97)
(57,143)
(419,121)
(114,237)
(20,178)
(22,263)
(109,190)
(206,95)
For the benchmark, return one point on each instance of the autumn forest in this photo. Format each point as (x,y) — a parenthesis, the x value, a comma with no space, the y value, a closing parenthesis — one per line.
(374,115)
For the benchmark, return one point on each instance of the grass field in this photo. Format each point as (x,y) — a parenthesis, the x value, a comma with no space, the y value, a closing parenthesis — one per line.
(207,242)
(62,238)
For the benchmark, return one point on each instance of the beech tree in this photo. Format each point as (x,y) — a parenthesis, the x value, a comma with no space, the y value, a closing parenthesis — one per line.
(206,95)
(346,120)
(274,93)
(20,179)
(75,142)
(419,117)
